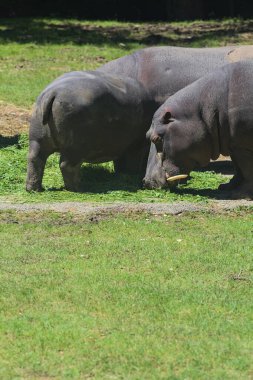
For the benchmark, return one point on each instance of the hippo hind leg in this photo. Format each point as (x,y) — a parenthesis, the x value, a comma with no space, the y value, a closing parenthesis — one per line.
(243,158)
(37,158)
(133,161)
(235,181)
(70,170)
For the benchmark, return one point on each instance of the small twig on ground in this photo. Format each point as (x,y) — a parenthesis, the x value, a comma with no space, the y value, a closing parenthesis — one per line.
(239,277)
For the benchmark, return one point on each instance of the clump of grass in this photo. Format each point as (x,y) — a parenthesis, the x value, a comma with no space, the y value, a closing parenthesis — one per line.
(99,182)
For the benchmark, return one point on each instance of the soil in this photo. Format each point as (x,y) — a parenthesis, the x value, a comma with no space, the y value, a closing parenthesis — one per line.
(13,120)
(95,211)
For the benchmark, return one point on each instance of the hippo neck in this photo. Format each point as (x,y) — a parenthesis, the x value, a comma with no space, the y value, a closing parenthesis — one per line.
(213,105)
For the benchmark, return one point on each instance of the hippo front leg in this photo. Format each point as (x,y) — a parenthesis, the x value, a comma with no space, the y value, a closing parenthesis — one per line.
(70,173)
(35,168)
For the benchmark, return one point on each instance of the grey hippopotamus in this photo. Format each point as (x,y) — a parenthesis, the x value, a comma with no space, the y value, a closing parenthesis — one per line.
(209,117)
(158,72)
(86,116)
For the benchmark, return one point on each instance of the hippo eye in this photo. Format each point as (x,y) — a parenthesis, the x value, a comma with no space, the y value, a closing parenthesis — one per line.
(166,118)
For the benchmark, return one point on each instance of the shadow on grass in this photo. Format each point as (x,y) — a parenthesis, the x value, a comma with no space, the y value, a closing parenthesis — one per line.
(98,180)
(208,193)
(50,32)
(8,140)
(220,167)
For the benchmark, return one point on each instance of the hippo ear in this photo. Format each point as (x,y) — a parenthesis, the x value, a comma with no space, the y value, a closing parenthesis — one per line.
(166,118)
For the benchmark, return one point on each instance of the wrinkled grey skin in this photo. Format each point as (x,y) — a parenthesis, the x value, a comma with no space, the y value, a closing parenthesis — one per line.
(163,71)
(159,72)
(86,116)
(209,117)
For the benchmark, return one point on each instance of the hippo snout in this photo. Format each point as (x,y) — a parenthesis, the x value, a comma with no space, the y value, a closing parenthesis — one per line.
(151,184)
(148,134)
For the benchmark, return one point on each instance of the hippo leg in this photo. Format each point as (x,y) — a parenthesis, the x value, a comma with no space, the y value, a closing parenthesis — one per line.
(243,158)
(235,181)
(71,173)
(133,161)
(36,164)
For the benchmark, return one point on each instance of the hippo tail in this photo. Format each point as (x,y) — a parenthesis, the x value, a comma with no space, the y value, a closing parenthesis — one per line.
(46,103)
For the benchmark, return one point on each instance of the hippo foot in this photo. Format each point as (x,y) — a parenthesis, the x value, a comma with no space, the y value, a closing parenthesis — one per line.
(76,188)
(33,187)
(234,183)
(243,192)
(71,175)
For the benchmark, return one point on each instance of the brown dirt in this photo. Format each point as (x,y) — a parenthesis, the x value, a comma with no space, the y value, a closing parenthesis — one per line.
(97,211)
(13,120)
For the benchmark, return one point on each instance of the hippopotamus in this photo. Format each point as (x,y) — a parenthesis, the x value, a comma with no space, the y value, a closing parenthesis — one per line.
(85,116)
(158,72)
(209,117)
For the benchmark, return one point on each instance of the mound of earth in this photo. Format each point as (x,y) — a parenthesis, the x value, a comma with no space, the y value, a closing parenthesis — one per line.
(13,120)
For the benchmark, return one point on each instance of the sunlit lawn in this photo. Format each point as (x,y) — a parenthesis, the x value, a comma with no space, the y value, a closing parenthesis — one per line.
(126,298)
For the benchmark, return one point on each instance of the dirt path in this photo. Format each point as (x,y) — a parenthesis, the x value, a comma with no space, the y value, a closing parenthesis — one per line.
(113,208)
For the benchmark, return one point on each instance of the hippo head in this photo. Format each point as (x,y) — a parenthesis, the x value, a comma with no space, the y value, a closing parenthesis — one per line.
(180,142)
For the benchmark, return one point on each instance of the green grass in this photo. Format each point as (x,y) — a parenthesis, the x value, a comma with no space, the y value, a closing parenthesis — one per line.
(124,298)
(27,69)
(99,183)
(34,52)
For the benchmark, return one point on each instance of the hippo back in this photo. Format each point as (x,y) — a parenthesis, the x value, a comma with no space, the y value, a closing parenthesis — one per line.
(165,70)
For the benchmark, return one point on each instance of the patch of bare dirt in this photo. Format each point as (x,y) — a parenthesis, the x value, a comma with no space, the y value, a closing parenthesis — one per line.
(97,211)
(13,120)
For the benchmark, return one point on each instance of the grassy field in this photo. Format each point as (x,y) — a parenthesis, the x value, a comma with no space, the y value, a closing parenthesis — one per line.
(35,51)
(126,298)
(132,297)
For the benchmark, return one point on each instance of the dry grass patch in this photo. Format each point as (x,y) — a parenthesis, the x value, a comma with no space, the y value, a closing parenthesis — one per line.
(13,120)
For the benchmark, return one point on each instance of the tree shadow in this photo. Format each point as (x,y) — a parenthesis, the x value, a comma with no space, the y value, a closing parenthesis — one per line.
(41,31)
(8,140)
(25,31)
